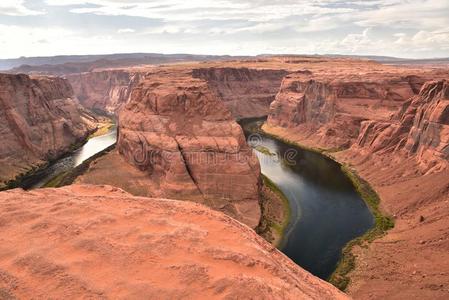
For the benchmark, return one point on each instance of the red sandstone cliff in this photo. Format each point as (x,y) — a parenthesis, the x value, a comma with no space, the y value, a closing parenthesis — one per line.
(40,120)
(328,110)
(395,129)
(106,90)
(421,129)
(246,92)
(99,242)
(183,144)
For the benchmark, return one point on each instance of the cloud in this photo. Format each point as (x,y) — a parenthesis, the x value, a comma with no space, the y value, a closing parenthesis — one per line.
(16,8)
(417,28)
(125,30)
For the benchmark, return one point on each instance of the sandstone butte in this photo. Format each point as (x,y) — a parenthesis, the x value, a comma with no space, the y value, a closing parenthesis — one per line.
(184,144)
(40,120)
(99,242)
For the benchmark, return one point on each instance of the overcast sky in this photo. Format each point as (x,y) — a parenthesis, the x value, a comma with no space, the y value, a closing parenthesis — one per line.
(403,28)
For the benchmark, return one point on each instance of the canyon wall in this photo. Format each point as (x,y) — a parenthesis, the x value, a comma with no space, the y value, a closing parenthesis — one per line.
(98,242)
(392,128)
(246,92)
(328,110)
(106,90)
(41,119)
(421,129)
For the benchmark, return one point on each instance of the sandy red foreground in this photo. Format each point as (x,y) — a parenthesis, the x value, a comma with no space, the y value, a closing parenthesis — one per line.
(100,242)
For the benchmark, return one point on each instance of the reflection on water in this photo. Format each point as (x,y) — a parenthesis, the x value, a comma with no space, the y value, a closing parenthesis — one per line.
(327,212)
(92,147)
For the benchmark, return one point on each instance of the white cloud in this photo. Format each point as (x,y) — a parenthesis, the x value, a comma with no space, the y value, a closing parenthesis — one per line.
(16,8)
(384,27)
(125,30)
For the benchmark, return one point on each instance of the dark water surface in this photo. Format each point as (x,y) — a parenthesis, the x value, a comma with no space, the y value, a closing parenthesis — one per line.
(327,212)
(89,149)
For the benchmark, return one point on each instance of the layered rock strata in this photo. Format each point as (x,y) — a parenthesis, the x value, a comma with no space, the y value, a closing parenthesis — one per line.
(183,143)
(40,120)
(328,110)
(104,90)
(395,132)
(246,92)
(98,242)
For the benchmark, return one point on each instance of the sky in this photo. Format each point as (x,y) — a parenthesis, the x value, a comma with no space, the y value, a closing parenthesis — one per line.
(401,28)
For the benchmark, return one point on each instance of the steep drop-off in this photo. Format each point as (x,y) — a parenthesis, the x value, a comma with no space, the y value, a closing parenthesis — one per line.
(98,242)
(40,120)
(327,110)
(104,90)
(246,92)
(421,130)
(395,132)
(183,143)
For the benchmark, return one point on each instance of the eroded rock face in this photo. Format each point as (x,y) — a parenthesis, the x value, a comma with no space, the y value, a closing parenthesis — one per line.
(176,131)
(246,92)
(420,129)
(106,90)
(99,242)
(329,110)
(393,127)
(40,120)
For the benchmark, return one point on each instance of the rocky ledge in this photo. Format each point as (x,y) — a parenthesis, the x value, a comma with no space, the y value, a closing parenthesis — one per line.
(99,242)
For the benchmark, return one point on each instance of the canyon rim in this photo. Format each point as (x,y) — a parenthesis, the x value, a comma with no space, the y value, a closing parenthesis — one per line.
(280,160)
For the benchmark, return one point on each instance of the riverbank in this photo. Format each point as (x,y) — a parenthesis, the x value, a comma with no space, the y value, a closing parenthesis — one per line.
(31,177)
(26,179)
(276,213)
(69,177)
(105,124)
(340,277)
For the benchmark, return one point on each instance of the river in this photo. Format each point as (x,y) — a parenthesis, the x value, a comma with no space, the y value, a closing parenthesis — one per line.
(74,159)
(326,210)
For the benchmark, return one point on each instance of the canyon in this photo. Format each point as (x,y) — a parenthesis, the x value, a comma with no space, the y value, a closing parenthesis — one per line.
(392,130)
(105,91)
(41,120)
(185,142)
(178,139)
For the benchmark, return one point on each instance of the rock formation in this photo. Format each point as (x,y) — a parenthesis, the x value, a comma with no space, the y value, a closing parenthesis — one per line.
(100,242)
(104,90)
(246,92)
(184,141)
(40,120)
(421,130)
(328,109)
(393,125)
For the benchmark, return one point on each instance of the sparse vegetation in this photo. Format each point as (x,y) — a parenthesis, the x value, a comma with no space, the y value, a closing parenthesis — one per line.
(69,177)
(103,128)
(272,227)
(264,150)
(382,223)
